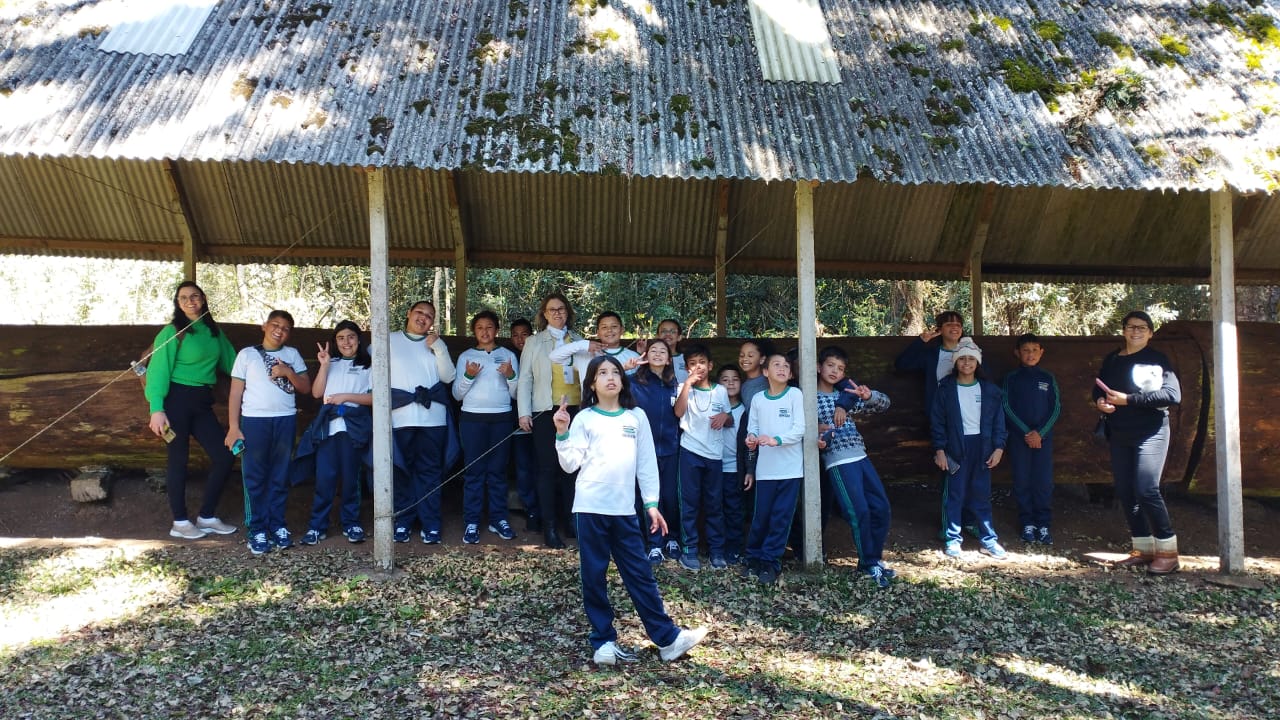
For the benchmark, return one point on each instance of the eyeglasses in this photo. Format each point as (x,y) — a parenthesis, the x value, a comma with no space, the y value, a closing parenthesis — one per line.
(557,310)
(1136,328)
(193,297)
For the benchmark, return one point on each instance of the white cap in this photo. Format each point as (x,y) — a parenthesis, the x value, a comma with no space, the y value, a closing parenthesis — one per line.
(968,348)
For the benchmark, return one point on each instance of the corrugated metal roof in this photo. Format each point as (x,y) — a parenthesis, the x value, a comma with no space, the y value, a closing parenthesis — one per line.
(931,92)
(792,42)
(154,27)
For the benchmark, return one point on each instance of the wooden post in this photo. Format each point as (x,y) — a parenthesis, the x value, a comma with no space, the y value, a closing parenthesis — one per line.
(380,329)
(459,258)
(808,362)
(1226,383)
(722,247)
(973,266)
(190,240)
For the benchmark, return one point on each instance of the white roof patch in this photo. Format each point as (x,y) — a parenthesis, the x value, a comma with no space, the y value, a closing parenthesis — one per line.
(792,41)
(157,27)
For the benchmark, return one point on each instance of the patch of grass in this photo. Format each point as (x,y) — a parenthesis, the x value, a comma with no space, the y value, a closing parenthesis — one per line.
(949,45)
(679,105)
(1262,28)
(1113,41)
(906,48)
(1215,13)
(497,102)
(1021,75)
(1002,22)
(1174,45)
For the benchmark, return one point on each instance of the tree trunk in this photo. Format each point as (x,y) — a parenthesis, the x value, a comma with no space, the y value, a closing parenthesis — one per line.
(908,299)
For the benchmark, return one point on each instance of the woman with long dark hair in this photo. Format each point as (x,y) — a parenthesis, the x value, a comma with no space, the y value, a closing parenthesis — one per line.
(188,354)
(1135,387)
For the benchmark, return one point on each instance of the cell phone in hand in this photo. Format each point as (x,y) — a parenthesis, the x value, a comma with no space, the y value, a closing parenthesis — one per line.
(237,447)
(1102,385)
(169,435)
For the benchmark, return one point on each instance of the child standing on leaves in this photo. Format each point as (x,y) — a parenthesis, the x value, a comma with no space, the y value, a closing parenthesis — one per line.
(610,447)
(731,495)
(968,439)
(855,485)
(775,427)
(703,409)
(654,387)
(263,414)
(1032,405)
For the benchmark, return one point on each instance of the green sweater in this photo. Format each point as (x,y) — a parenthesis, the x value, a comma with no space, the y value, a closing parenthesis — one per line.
(199,358)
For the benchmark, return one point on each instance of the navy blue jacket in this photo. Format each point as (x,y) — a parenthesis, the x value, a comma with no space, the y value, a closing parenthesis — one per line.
(923,357)
(947,427)
(654,399)
(1031,400)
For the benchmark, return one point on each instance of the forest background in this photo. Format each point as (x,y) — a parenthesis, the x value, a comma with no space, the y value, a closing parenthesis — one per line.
(71,291)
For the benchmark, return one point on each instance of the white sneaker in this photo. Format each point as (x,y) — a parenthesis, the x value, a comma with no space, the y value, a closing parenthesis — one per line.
(185,530)
(611,654)
(215,526)
(683,643)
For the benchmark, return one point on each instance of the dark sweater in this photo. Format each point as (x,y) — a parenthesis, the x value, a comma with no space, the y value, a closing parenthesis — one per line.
(1031,400)
(1147,378)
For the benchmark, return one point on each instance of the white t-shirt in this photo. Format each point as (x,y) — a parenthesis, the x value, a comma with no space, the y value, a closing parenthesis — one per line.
(946,361)
(346,377)
(970,406)
(729,441)
(697,436)
(412,365)
(265,396)
(611,452)
(489,391)
(781,417)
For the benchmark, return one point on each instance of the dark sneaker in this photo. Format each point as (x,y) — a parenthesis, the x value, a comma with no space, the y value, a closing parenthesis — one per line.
(1028,533)
(768,576)
(470,536)
(993,550)
(888,571)
(1043,537)
(401,534)
(952,549)
(313,537)
(355,534)
(876,573)
(258,544)
(283,539)
(690,562)
(611,653)
(656,557)
(749,569)
(672,550)
(683,643)
(718,562)
(432,537)
(732,558)
(503,530)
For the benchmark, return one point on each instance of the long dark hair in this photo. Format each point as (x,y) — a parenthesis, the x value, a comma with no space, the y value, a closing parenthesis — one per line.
(645,374)
(180,319)
(362,358)
(588,391)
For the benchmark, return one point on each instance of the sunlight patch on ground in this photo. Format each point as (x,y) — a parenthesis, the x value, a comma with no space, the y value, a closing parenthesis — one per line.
(79,588)
(1072,680)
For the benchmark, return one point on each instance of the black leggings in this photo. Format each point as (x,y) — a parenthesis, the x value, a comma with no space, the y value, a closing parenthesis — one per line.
(190,413)
(555,486)
(1137,470)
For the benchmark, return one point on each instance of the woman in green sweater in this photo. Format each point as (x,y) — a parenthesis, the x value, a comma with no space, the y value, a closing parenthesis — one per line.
(189,352)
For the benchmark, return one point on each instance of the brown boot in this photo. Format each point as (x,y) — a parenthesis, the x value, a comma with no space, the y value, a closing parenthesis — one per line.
(1166,560)
(1142,554)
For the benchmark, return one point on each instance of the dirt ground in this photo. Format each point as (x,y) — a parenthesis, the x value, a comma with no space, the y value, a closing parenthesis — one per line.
(36,506)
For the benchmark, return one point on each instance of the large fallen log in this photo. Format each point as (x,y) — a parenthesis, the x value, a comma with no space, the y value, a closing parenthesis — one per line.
(46,371)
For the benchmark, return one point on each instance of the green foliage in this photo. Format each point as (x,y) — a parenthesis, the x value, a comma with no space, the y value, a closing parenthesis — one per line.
(1262,28)
(955,44)
(1003,23)
(1021,75)
(1174,45)
(1113,41)
(1049,31)
(1214,13)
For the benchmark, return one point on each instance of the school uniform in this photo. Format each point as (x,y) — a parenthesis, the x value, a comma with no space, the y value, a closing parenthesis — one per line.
(612,452)
(338,456)
(420,427)
(777,482)
(701,469)
(485,425)
(968,424)
(268,421)
(731,494)
(1032,402)
(855,485)
(657,399)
